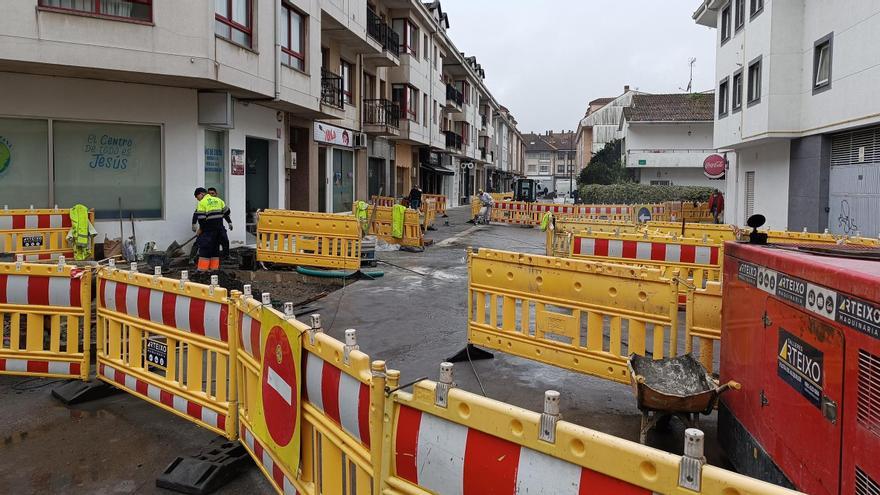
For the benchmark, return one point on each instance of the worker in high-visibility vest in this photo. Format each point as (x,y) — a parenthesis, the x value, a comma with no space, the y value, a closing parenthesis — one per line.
(207,223)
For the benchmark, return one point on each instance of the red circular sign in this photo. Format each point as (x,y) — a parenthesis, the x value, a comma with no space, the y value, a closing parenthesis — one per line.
(714,166)
(280,393)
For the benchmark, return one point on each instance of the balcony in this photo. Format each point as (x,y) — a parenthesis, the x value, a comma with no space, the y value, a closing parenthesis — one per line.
(331,90)
(483,154)
(381,117)
(384,35)
(454,98)
(453,141)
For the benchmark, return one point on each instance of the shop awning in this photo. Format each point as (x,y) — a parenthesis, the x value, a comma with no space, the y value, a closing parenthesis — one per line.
(440,169)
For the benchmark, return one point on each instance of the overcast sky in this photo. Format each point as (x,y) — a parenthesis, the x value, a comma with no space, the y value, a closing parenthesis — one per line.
(546,60)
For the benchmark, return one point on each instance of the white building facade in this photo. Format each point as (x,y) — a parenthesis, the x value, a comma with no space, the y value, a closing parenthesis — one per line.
(797,112)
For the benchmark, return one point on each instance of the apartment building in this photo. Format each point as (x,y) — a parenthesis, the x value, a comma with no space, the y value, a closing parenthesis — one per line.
(667,139)
(796,111)
(551,160)
(600,125)
(127,106)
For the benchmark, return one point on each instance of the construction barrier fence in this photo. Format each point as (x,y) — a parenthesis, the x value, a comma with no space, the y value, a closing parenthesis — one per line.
(319,417)
(380,224)
(38,234)
(575,314)
(703,323)
(441,200)
(171,343)
(309,239)
(45,320)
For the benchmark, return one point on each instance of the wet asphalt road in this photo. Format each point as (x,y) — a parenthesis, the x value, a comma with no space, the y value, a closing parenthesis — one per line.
(414,318)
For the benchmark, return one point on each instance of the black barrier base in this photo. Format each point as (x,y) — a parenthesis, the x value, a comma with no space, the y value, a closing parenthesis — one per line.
(76,392)
(471,352)
(204,473)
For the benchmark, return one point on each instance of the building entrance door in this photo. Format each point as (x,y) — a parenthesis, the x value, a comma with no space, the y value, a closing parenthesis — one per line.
(256,158)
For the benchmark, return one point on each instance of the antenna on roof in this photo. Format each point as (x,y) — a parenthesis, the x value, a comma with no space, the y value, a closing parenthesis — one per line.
(691,62)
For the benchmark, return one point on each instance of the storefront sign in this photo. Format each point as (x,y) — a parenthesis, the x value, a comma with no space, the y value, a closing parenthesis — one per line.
(330,134)
(237,164)
(5,154)
(714,166)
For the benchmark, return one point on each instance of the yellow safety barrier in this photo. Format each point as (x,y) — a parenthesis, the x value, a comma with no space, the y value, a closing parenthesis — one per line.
(429,212)
(559,311)
(309,239)
(381,227)
(442,202)
(45,320)
(383,200)
(446,440)
(38,234)
(341,399)
(505,196)
(692,212)
(703,322)
(718,233)
(559,237)
(171,343)
(513,212)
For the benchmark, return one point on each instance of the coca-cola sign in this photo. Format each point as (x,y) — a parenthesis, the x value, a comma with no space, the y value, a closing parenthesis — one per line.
(330,134)
(714,166)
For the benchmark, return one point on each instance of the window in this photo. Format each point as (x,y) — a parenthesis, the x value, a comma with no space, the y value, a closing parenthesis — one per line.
(293,37)
(137,10)
(436,59)
(215,161)
(545,169)
(723,97)
(24,163)
(409,36)
(234,20)
(436,105)
(560,168)
(750,194)
(465,133)
(725,23)
(737,90)
(532,168)
(561,155)
(755,8)
(346,70)
(822,63)
(425,113)
(408,99)
(739,14)
(754,91)
(465,90)
(425,47)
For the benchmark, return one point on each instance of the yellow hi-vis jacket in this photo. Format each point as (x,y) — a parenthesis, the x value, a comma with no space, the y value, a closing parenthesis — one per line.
(210,212)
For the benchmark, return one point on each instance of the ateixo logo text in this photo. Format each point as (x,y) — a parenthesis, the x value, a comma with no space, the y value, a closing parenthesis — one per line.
(5,154)
(795,355)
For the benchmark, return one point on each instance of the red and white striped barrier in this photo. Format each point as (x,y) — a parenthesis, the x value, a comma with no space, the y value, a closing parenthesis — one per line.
(250,336)
(268,461)
(188,314)
(339,396)
(47,256)
(149,391)
(36,366)
(646,250)
(34,221)
(447,458)
(35,290)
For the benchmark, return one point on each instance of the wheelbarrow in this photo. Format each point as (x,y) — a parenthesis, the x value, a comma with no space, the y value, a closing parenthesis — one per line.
(673,387)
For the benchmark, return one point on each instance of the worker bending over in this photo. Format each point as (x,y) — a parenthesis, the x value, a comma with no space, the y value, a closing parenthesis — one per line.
(224,238)
(208,223)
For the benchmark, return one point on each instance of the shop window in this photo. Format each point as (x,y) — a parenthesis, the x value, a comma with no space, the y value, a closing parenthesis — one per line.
(136,10)
(24,163)
(98,164)
(234,20)
(215,161)
(293,37)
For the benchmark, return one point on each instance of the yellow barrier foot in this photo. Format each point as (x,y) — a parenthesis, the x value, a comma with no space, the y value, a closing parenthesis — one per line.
(207,471)
(77,392)
(472,353)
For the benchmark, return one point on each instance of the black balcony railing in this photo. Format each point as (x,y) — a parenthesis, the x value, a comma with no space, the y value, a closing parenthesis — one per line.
(454,95)
(383,33)
(453,140)
(331,89)
(382,112)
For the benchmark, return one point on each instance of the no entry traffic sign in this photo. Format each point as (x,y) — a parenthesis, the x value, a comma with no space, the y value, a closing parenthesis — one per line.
(280,390)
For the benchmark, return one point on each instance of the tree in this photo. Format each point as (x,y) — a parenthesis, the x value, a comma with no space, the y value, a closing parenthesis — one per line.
(605,167)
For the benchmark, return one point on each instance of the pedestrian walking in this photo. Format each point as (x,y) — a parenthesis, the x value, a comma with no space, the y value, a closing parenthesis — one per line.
(716,205)
(486,211)
(207,224)
(223,237)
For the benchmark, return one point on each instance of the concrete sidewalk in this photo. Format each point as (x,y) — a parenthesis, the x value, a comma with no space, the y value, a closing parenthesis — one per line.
(414,318)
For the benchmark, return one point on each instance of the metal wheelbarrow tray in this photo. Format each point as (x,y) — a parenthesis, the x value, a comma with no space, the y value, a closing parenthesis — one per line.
(678,386)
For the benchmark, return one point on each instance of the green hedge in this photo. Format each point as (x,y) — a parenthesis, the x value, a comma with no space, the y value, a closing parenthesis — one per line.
(641,193)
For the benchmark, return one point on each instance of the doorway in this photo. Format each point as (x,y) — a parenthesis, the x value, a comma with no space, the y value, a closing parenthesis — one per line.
(256,180)
(376,185)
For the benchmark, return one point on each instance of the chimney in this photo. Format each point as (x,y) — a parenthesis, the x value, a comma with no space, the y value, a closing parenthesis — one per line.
(626,88)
